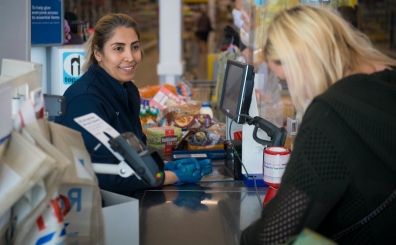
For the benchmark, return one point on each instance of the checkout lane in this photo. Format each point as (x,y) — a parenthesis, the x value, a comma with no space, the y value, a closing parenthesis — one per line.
(210,212)
(218,208)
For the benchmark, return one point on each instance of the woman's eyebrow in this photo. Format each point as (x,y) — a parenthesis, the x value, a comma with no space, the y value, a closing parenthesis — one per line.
(119,43)
(116,43)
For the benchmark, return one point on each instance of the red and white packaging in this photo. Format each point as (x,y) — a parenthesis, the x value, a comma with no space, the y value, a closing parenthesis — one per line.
(164,98)
(274,164)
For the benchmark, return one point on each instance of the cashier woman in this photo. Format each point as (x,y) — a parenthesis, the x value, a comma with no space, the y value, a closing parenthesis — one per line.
(106,89)
(343,164)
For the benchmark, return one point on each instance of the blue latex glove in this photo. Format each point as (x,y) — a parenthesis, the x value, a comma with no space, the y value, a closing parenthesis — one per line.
(187,170)
(192,200)
(206,166)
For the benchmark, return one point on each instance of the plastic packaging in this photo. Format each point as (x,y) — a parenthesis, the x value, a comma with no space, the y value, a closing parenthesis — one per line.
(205,109)
(162,139)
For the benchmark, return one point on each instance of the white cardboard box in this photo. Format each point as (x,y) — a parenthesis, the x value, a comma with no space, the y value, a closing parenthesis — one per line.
(121,219)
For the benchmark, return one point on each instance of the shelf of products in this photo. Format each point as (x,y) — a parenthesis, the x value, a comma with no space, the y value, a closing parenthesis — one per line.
(145,13)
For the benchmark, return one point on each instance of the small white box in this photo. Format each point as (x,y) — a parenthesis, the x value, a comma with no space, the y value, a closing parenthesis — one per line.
(121,219)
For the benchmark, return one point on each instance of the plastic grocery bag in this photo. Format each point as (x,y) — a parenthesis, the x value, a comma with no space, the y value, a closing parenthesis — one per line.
(79,191)
(30,222)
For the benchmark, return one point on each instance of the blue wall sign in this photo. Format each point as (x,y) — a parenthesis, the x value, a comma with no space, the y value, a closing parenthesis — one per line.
(46,22)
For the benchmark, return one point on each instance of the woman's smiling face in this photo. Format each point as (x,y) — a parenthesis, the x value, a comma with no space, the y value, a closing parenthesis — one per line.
(121,54)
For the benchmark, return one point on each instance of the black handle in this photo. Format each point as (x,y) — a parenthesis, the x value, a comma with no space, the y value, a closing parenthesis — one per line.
(278,135)
(258,140)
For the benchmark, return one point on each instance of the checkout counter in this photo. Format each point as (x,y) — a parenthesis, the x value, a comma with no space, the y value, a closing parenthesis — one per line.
(218,208)
(214,211)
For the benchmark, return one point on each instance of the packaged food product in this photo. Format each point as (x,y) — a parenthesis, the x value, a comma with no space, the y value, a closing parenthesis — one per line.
(207,139)
(193,122)
(205,109)
(204,119)
(177,111)
(184,122)
(162,139)
(148,92)
(205,147)
(164,98)
(182,143)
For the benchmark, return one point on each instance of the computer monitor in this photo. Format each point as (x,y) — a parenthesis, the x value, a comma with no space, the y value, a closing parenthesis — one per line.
(237,90)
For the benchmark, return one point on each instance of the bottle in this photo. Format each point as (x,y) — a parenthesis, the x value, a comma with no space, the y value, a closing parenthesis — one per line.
(142,116)
(147,107)
(205,109)
(149,113)
(154,113)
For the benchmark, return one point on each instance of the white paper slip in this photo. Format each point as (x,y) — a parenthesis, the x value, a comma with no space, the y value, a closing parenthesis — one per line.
(97,126)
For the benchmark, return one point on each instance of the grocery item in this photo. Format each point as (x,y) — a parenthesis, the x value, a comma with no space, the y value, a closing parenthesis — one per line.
(142,116)
(204,119)
(211,138)
(197,121)
(162,139)
(182,143)
(205,109)
(183,122)
(164,98)
(176,111)
(148,92)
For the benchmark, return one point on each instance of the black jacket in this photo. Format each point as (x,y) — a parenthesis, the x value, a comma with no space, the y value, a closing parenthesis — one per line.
(343,166)
(118,105)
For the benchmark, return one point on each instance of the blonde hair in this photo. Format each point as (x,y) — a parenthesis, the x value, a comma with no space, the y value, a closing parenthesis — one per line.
(104,30)
(316,48)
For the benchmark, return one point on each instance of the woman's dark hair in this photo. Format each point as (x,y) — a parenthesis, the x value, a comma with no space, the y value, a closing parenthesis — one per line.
(104,30)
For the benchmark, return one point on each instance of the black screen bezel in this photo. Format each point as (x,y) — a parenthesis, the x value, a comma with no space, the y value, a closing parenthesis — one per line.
(242,95)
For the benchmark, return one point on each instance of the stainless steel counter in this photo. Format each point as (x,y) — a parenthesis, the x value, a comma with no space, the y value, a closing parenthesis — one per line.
(210,212)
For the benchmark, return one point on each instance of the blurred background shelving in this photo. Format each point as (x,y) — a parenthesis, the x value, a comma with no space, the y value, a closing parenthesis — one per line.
(377,21)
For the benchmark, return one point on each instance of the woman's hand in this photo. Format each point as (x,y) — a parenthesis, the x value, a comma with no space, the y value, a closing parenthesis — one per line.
(170,178)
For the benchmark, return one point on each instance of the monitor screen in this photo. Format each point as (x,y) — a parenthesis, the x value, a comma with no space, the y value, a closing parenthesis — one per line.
(237,90)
